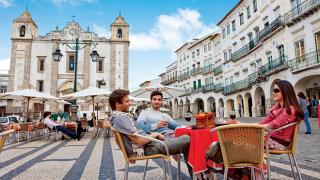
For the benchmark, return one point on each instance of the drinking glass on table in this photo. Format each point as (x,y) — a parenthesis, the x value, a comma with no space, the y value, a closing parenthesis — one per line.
(232,115)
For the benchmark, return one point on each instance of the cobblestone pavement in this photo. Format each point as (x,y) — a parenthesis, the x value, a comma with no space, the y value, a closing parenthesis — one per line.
(100,158)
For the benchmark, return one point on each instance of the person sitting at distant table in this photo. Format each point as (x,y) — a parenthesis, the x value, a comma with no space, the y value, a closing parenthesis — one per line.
(53,125)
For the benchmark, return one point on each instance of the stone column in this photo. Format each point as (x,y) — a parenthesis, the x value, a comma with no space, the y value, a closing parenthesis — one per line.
(246,107)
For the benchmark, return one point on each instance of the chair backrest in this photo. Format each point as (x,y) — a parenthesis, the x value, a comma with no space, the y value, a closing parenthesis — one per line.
(25,127)
(293,145)
(242,144)
(120,143)
(3,137)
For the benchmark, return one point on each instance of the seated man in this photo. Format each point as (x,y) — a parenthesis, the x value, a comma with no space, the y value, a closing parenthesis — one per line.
(153,120)
(53,125)
(120,120)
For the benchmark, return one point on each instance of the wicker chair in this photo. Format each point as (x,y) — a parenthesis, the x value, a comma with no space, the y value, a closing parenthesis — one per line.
(290,151)
(16,128)
(242,145)
(3,137)
(128,158)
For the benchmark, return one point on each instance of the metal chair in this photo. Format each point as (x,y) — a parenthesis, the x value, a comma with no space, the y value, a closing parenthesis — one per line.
(55,132)
(242,145)
(290,151)
(3,137)
(118,137)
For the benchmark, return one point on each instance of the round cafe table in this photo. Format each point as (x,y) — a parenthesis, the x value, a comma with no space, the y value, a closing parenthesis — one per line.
(199,144)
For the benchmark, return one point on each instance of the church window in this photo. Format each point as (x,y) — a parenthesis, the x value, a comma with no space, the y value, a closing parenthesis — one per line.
(71,63)
(3,89)
(100,65)
(22,31)
(40,85)
(41,64)
(119,34)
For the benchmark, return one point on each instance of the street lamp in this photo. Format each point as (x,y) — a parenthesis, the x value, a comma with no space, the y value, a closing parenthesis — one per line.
(57,55)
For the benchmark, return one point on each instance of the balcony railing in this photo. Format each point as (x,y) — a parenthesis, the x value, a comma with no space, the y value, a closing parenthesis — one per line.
(184,76)
(218,87)
(170,80)
(302,9)
(278,22)
(208,87)
(207,69)
(237,86)
(218,70)
(195,71)
(305,62)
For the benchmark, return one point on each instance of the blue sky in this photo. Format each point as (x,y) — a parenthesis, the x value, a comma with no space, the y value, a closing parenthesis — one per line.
(157,27)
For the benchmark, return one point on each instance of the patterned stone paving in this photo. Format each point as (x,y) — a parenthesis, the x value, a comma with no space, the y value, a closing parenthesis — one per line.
(101,159)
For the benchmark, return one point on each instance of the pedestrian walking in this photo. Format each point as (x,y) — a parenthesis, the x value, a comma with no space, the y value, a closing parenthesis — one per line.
(303,102)
(239,109)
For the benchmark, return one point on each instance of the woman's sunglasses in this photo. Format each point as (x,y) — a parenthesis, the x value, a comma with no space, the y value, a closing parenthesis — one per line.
(276,90)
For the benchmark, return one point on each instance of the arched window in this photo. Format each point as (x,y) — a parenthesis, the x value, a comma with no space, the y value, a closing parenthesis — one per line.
(119,34)
(22,31)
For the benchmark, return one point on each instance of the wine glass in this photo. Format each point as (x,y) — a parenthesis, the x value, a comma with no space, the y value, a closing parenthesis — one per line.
(232,115)
(188,117)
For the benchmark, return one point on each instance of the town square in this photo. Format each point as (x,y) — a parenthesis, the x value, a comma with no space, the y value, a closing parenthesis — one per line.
(184,89)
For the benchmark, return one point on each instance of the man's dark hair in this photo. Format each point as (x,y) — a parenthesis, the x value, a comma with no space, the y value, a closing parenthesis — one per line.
(156,93)
(117,97)
(84,114)
(46,114)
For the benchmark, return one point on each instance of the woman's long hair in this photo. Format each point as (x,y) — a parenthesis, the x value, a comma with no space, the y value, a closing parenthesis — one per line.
(289,98)
(300,94)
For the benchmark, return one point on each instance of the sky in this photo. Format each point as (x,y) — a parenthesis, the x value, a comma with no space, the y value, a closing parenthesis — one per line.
(157,27)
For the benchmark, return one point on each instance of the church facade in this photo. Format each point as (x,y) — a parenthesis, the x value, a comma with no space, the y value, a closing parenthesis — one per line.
(32,65)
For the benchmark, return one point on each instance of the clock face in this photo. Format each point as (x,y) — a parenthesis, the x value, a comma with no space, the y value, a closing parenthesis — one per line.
(72,31)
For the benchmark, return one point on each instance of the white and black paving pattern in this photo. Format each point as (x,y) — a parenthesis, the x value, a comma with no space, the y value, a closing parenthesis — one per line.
(100,158)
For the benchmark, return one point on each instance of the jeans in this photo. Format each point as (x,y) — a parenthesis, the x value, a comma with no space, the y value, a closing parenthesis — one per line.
(66,131)
(307,122)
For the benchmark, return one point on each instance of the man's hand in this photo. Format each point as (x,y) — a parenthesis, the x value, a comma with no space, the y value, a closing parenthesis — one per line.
(157,136)
(162,123)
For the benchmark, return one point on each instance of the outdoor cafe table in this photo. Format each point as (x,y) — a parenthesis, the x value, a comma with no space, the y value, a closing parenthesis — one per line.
(199,144)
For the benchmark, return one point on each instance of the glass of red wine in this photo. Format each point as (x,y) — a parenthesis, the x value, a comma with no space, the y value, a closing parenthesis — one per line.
(232,115)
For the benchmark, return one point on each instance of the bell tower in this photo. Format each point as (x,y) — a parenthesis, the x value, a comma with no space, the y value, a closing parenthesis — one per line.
(24,31)
(119,30)
(119,54)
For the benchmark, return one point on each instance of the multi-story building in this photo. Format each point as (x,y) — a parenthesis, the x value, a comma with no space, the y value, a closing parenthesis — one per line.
(261,41)
(170,78)
(32,64)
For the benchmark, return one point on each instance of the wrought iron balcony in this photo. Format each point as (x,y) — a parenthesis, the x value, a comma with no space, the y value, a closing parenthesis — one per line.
(207,69)
(208,87)
(237,86)
(302,10)
(195,71)
(184,76)
(307,61)
(218,70)
(170,80)
(263,34)
(218,87)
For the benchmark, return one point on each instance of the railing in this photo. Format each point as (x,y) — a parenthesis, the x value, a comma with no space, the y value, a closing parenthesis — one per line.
(217,70)
(237,86)
(218,87)
(170,80)
(300,9)
(207,69)
(209,87)
(305,61)
(195,71)
(278,22)
(183,76)
(272,27)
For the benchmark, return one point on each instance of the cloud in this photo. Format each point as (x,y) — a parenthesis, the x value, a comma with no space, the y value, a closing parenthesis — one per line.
(171,31)
(101,30)
(5,3)
(72,2)
(4,65)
